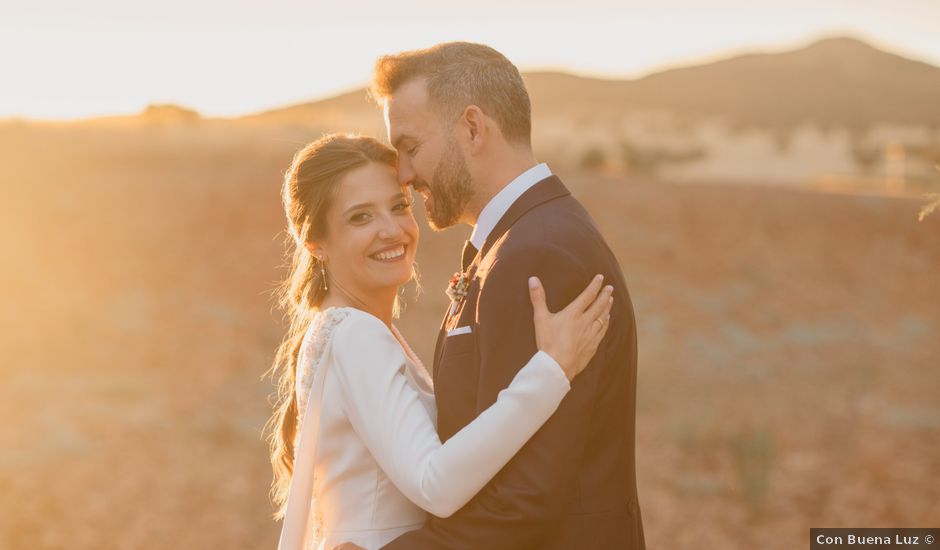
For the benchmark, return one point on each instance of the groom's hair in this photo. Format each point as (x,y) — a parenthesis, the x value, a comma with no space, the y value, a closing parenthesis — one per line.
(460,74)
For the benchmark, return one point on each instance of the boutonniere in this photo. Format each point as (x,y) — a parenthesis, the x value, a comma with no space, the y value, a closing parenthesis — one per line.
(457,289)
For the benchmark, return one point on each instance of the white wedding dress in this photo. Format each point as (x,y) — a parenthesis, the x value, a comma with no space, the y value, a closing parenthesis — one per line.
(374,453)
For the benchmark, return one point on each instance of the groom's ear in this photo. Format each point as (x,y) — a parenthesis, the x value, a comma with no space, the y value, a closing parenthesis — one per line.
(473,124)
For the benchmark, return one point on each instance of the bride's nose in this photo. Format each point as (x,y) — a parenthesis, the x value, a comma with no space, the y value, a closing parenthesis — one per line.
(390,229)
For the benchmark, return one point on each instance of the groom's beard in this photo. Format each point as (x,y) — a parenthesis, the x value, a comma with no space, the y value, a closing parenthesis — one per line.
(451,190)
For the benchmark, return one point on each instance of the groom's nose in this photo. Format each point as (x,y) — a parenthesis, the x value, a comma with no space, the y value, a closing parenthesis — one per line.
(406,174)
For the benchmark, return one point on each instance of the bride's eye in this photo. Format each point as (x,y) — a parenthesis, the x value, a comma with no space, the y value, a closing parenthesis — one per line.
(361,217)
(403,206)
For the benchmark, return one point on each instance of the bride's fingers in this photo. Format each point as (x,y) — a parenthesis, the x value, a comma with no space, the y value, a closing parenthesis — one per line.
(603,324)
(601,331)
(592,339)
(600,304)
(537,295)
(587,296)
(610,304)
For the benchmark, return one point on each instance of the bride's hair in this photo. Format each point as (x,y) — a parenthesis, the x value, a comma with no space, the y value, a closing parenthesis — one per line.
(309,188)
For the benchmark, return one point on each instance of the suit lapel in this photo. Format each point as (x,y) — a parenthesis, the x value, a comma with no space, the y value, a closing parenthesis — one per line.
(441,335)
(548,189)
(439,346)
(543,191)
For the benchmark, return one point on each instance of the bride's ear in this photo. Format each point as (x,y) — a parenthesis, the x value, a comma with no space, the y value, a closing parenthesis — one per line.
(314,249)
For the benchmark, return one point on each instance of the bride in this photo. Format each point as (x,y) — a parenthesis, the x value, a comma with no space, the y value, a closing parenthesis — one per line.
(354,446)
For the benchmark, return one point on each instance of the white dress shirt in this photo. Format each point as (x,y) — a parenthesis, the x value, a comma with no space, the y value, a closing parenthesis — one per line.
(500,203)
(376,455)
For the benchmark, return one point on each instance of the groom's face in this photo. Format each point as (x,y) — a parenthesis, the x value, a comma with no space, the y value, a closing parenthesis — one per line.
(429,158)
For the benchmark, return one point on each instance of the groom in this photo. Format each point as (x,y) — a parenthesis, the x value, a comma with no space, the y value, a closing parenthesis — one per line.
(459,116)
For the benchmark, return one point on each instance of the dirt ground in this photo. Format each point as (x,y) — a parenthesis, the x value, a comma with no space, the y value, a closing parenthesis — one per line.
(788,362)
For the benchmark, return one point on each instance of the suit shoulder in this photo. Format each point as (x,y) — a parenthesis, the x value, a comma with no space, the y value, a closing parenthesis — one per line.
(561,223)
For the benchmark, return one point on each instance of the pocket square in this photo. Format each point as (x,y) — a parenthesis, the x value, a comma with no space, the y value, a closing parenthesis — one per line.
(458,330)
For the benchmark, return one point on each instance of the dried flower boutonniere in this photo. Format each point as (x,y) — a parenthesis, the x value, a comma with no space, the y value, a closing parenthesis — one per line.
(457,289)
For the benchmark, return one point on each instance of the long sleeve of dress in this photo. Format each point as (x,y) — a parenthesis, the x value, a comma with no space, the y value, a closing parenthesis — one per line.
(386,412)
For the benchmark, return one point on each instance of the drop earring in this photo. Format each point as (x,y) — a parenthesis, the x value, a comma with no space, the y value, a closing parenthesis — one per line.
(322,274)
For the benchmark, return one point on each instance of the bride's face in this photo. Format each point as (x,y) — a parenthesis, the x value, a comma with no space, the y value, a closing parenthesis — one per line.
(372,234)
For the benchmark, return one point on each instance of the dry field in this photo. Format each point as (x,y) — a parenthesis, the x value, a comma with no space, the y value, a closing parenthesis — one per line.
(789,344)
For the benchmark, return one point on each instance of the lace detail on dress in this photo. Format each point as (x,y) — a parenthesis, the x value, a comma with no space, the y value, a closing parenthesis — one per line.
(311,351)
(308,364)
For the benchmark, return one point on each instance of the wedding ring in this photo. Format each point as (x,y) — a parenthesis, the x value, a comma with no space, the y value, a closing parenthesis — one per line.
(601,322)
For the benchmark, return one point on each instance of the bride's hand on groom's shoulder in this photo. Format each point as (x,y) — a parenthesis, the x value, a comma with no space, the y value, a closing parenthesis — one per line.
(571,336)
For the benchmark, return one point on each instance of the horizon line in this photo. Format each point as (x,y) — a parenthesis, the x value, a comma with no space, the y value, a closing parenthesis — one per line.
(601,75)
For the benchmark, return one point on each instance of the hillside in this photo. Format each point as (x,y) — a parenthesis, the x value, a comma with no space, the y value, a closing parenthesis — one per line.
(834,82)
(787,345)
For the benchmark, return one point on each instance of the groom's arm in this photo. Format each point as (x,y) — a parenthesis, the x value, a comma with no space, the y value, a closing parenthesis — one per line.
(529,496)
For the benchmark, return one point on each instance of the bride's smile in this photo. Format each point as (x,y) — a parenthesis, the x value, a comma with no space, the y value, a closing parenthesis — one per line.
(390,254)
(372,236)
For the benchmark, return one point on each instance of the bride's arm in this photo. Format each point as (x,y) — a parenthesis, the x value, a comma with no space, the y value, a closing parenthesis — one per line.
(385,410)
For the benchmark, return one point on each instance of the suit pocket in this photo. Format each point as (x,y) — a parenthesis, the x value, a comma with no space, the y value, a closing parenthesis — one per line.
(458,344)
(458,331)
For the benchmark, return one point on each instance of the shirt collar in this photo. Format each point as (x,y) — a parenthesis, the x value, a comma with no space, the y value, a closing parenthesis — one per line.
(500,203)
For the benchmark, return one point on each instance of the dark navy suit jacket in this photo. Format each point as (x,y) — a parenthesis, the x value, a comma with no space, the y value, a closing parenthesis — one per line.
(573,485)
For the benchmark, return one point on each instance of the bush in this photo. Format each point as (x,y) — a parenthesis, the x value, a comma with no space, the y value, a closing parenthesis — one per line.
(593,159)
(648,160)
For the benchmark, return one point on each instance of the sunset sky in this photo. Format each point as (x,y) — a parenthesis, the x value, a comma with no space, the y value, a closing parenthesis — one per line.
(62,59)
